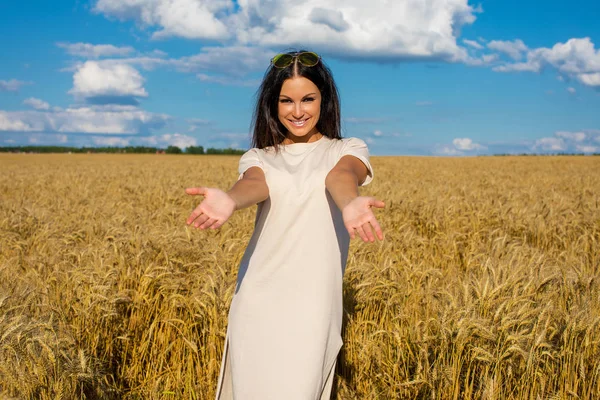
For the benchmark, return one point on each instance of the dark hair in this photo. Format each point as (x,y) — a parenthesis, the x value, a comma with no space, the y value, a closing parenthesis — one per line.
(266,127)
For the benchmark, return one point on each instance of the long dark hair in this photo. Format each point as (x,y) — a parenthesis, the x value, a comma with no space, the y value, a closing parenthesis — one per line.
(266,127)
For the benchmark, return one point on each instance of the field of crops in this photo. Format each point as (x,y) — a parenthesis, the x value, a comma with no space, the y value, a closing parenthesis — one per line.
(486,286)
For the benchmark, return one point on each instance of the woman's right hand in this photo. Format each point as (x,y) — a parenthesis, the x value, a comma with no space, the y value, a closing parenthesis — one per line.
(213,211)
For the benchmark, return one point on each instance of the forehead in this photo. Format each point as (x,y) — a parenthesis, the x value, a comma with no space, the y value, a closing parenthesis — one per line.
(298,85)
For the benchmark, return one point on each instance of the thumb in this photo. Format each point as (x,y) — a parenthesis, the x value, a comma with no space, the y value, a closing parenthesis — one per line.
(376,203)
(196,191)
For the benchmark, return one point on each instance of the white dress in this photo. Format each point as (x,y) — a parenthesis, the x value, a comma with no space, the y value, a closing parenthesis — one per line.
(285,319)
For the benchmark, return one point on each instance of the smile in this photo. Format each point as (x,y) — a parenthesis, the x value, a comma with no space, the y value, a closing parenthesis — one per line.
(300,123)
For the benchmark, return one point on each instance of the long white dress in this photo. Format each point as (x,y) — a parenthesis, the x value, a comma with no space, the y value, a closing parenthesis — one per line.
(285,319)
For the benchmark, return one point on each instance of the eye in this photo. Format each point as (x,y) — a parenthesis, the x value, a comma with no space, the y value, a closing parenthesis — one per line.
(285,101)
(308,99)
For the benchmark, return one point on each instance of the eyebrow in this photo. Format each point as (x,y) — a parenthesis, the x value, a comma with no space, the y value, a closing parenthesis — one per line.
(305,96)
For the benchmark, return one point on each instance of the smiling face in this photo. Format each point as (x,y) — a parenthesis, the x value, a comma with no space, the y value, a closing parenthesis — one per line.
(299,109)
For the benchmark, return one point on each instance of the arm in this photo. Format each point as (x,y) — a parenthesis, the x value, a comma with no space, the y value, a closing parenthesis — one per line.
(218,206)
(342,183)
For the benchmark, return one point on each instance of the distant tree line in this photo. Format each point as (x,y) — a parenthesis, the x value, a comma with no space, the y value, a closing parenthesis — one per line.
(127,149)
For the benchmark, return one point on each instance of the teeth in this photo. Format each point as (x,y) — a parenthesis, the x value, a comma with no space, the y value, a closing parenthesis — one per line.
(299,123)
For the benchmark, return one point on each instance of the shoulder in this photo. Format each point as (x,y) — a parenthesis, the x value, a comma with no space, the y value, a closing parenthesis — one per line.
(350,145)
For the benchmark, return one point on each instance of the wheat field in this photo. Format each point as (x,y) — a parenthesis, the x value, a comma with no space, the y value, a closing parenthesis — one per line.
(485,287)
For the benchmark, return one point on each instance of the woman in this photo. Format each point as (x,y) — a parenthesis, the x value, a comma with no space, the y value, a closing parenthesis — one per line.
(284,327)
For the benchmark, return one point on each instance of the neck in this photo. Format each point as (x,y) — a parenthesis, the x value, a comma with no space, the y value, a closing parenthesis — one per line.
(290,139)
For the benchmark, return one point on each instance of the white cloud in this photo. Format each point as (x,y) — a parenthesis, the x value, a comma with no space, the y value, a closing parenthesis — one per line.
(93,119)
(466,144)
(176,139)
(190,19)
(514,49)
(592,79)
(36,103)
(12,86)
(577,58)
(333,19)
(550,144)
(574,136)
(378,133)
(473,44)
(585,141)
(571,90)
(95,79)
(110,141)
(348,28)
(588,149)
(459,147)
(448,151)
(43,139)
(88,50)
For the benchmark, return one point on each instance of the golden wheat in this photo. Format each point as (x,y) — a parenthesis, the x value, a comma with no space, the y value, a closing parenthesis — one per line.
(486,286)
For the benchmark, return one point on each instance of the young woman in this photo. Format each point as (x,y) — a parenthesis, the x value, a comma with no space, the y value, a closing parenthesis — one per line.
(285,320)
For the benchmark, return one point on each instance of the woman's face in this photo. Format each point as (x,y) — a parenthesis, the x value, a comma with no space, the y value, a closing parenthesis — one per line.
(299,108)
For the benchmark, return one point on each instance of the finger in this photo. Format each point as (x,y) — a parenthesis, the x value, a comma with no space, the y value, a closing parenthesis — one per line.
(217,224)
(361,233)
(196,191)
(377,228)
(350,231)
(195,214)
(367,228)
(200,220)
(208,223)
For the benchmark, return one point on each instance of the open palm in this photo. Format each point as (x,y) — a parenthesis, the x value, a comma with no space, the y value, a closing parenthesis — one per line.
(213,211)
(359,218)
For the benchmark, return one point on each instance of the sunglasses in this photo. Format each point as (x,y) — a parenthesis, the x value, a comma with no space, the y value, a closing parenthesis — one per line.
(306,58)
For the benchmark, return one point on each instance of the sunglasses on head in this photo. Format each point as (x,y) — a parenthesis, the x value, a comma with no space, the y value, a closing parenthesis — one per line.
(306,58)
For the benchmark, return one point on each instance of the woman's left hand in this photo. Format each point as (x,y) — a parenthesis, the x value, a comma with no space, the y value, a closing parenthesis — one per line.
(358,217)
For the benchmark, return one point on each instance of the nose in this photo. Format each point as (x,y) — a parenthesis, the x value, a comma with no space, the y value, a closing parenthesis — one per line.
(298,111)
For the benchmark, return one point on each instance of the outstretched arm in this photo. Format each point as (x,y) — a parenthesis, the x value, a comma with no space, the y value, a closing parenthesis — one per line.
(342,183)
(218,206)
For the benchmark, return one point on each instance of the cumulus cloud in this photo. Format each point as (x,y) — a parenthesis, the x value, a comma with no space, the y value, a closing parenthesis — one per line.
(98,82)
(93,119)
(190,19)
(459,147)
(88,50)
(36,103)
(348,28)
(585,141)
(577,58)
(466,144)
(514,49)
(333,19)
(177,139)
(12,86)
(42,139)
(110,141)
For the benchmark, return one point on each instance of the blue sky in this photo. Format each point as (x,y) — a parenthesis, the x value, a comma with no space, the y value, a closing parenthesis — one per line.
(442,77)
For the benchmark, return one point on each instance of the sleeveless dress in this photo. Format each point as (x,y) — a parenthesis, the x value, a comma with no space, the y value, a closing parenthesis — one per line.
(285,319)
